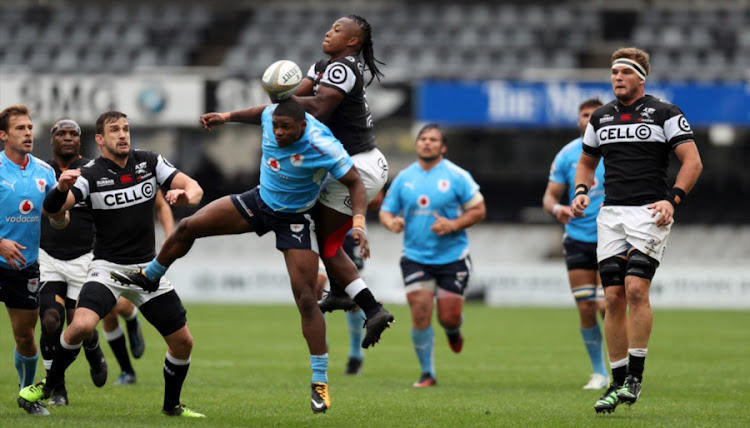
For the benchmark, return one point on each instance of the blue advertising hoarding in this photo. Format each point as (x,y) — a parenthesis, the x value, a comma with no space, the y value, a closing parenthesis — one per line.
(505,104)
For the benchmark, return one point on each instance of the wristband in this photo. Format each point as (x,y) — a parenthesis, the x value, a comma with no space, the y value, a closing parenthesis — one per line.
(358,222)
(676,195)
(581,189)
(55,200)
(360,229)
(556,209)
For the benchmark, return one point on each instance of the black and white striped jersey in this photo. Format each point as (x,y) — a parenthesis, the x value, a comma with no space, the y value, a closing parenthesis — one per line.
(122,204)
(75,239)
(351,121)
(636,141)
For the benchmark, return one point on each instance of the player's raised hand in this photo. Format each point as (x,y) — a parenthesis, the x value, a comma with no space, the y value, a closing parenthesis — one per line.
(209,120)
(67,179)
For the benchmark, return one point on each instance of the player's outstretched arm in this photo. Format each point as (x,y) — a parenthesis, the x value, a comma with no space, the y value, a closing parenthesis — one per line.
(249,116)
(323,103)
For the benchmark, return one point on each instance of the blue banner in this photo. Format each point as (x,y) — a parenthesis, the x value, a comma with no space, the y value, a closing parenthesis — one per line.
(511,104)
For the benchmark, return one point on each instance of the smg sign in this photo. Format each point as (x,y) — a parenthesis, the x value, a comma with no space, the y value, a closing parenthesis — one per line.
(49,97)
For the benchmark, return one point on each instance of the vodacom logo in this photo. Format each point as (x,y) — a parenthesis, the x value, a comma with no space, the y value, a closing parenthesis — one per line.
(25,207)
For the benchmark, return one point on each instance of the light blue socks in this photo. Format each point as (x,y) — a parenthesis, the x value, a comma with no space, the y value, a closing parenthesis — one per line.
(26,367)
(319,364)
(592,338)
(154,270)
(355,323)
(424,343)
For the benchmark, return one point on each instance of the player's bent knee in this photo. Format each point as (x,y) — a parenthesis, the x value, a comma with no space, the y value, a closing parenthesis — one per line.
(641,265)
(612,271)
(52,313)
(584,293)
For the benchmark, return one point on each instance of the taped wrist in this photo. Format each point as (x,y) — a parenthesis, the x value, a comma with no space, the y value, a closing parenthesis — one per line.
(581,189)
(54,201)
(358,222)
(676,195)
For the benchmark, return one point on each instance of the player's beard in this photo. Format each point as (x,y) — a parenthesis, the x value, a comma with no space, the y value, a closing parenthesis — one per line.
(430,159)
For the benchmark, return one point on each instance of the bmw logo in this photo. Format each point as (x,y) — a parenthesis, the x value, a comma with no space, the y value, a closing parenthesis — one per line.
(152,99)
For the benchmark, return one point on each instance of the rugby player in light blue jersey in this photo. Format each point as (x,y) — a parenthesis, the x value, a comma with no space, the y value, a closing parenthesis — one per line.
(579,242)
(433,201)
(298,153)
(24,182)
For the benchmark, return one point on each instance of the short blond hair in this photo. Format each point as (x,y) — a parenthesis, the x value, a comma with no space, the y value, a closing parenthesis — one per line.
(638,55)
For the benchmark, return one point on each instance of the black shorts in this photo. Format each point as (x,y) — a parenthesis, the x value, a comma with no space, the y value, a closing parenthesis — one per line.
(293,230)
(579,254)
(453,277)
(165,312)
(19,289)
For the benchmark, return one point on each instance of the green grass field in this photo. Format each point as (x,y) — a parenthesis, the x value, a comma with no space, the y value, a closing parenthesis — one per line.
(520,367)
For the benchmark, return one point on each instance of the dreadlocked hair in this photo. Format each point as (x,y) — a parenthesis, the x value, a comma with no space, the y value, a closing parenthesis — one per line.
(367,52)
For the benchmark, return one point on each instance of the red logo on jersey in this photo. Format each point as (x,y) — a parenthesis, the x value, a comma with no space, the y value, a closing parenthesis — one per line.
(296,159)
(125,179)
(274,164)
(41,185)
(625,116)
(25,206)
(423,201)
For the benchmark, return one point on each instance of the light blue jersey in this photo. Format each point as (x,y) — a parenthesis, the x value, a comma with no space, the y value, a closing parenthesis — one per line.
(22,193)
(564,171)
(419,195)
(290,177)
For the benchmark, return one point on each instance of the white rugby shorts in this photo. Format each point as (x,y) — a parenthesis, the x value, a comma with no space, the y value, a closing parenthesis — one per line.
(71,272)
(621,227)
(99,272)
(372,167)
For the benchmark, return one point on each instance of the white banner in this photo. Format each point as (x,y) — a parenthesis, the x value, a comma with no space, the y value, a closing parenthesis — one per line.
(248,269)
(673,286)
(266,281)
(148,100)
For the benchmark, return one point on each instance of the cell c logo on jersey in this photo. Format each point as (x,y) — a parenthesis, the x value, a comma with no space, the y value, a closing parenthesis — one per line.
(41,185)
(444,185)
(683,124)
(337,73)
(296,159)
(274,164)
(423,201)
(148,190)
(25,207)
(643,132)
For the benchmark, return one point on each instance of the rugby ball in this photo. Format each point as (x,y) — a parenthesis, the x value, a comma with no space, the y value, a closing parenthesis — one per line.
(281,79)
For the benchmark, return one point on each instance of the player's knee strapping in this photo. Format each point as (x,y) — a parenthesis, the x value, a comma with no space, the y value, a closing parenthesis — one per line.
(50,322)
(584,293)
(641,265)
(612,271)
